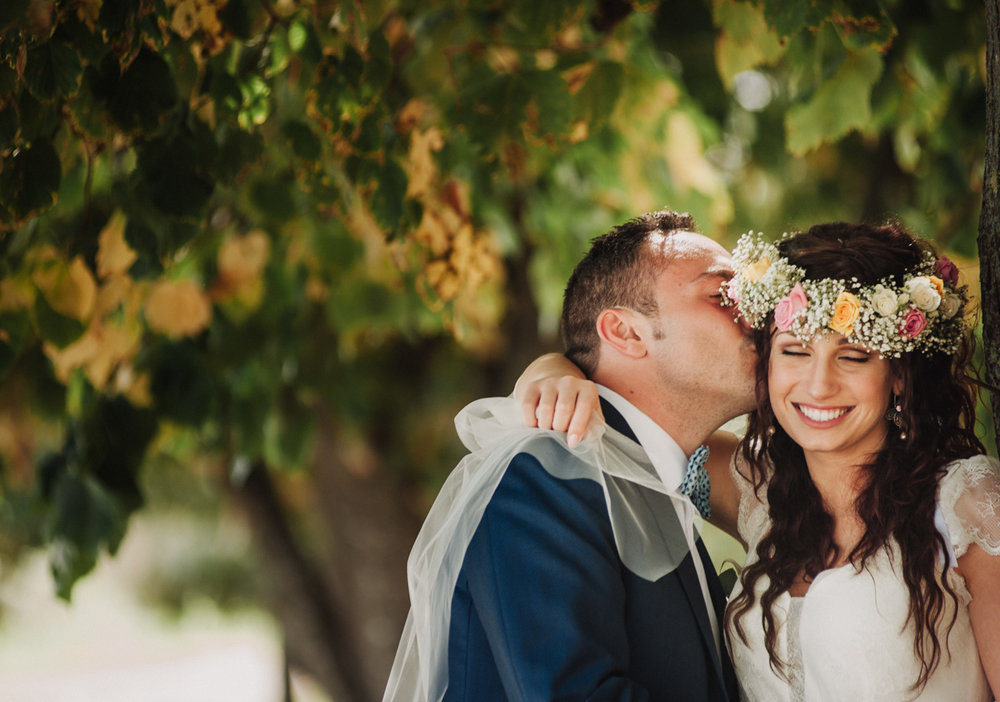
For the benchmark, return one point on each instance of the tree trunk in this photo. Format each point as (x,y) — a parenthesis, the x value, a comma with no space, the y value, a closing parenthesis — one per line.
(319,636)
(371,529)
(989,221)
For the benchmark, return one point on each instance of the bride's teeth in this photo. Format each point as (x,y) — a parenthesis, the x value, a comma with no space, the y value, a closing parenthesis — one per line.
(818,415)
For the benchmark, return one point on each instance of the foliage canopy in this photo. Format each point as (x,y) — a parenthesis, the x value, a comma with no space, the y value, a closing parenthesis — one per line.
(218,215)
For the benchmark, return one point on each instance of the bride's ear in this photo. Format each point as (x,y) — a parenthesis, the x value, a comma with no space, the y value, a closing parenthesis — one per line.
(620,328)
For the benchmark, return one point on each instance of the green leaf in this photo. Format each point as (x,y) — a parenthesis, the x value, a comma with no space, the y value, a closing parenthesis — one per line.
(55,328)
(53,71)
(237,149)
(273,196)
(598,95)
(89,111)
(352,66)
(861,23)
(114,15)
(495,106)
(388,200)
(305,144)
(8,79)
(255,107)
(15,327)
(38,120)
(116,435)
(82,519)
(175,173)
(235,16)
(181,383)
(535,20)
(303,40)
(289,437)
(378,69)
(11,11)
(8,126)
(225,91)
(745,41)
(139,98)
(789,18)
(552,98)
(842,103)
(29,182)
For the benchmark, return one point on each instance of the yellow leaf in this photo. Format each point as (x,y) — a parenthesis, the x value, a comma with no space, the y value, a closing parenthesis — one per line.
(432,233)
(242,258)
(185,18)
(16,294)
(413,113)
(70,289)
(177,308)
(114,255)
(421,167)
(112,294)
(134,387)
(98,352)
(744,40)
(76,355)
(686,157)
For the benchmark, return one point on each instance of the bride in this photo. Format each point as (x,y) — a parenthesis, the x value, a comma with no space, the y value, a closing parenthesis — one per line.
(870,513)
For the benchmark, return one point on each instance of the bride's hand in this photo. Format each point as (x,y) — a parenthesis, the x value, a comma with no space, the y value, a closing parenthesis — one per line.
(554,394)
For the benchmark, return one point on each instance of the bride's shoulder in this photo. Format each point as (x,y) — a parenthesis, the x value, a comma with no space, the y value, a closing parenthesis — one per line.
(981,472)
(969,497)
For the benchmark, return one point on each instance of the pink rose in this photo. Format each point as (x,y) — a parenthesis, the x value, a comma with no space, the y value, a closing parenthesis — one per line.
(790,307)
(947,270)
(913,324)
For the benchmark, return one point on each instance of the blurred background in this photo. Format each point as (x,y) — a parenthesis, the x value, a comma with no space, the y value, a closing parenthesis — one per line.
(256,255)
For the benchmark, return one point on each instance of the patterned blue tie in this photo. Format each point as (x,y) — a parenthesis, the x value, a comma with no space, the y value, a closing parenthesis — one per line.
(695,484)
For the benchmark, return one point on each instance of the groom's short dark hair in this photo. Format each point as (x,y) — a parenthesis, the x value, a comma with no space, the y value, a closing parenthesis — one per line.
(618,271)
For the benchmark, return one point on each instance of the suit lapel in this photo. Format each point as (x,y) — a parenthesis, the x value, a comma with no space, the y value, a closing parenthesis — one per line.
(686,573)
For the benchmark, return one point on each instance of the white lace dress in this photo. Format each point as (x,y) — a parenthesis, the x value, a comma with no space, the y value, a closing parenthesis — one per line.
(845,638)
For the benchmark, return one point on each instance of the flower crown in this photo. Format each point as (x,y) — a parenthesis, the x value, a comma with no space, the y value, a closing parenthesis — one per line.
(925,314)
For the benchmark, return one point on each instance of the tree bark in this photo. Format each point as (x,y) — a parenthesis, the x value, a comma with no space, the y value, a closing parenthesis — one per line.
(370,529)
(989,220)
(319,638)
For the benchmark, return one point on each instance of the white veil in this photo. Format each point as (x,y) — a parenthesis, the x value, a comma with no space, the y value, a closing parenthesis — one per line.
(493,431)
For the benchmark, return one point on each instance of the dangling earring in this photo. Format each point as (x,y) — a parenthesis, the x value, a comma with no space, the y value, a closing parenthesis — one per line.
(895,415)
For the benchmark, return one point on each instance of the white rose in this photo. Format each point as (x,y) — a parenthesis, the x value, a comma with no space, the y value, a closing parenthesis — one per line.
(949,305)
(923,293)
(884,301)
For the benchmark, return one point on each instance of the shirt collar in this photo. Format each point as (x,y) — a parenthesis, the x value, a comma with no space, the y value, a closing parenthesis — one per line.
(667,457)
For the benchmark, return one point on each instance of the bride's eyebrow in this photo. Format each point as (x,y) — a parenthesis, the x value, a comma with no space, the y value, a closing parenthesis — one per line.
(720,274)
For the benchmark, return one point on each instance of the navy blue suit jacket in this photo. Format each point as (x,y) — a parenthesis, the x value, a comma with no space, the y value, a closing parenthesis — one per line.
(544,609)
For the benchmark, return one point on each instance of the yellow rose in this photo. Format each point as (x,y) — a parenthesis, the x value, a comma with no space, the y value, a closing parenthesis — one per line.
(845,313)
(938,283)
(753,272)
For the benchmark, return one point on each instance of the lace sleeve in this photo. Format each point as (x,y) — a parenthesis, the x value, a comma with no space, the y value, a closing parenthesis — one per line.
(970,503)
(752,519)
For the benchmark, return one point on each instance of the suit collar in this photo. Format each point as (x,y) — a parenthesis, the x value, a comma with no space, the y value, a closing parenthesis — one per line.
(616,421)
(667,457)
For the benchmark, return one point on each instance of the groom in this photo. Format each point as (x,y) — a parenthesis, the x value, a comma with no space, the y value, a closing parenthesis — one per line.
(548,603)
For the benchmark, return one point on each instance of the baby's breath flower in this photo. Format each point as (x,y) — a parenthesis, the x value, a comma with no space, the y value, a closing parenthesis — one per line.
(924,314)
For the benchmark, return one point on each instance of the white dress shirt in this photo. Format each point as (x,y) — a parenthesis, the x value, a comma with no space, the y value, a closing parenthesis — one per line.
(670,463)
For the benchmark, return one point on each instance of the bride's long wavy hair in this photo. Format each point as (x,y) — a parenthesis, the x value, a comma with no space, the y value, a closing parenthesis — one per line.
(897,502)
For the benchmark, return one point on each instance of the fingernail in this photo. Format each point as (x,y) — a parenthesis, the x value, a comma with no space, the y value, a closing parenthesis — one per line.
(573,440)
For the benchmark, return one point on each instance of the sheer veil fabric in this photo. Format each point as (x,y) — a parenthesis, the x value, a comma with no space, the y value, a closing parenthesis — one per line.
(493,431)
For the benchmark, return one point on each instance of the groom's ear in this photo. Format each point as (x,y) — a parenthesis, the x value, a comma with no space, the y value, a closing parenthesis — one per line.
(620,328)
